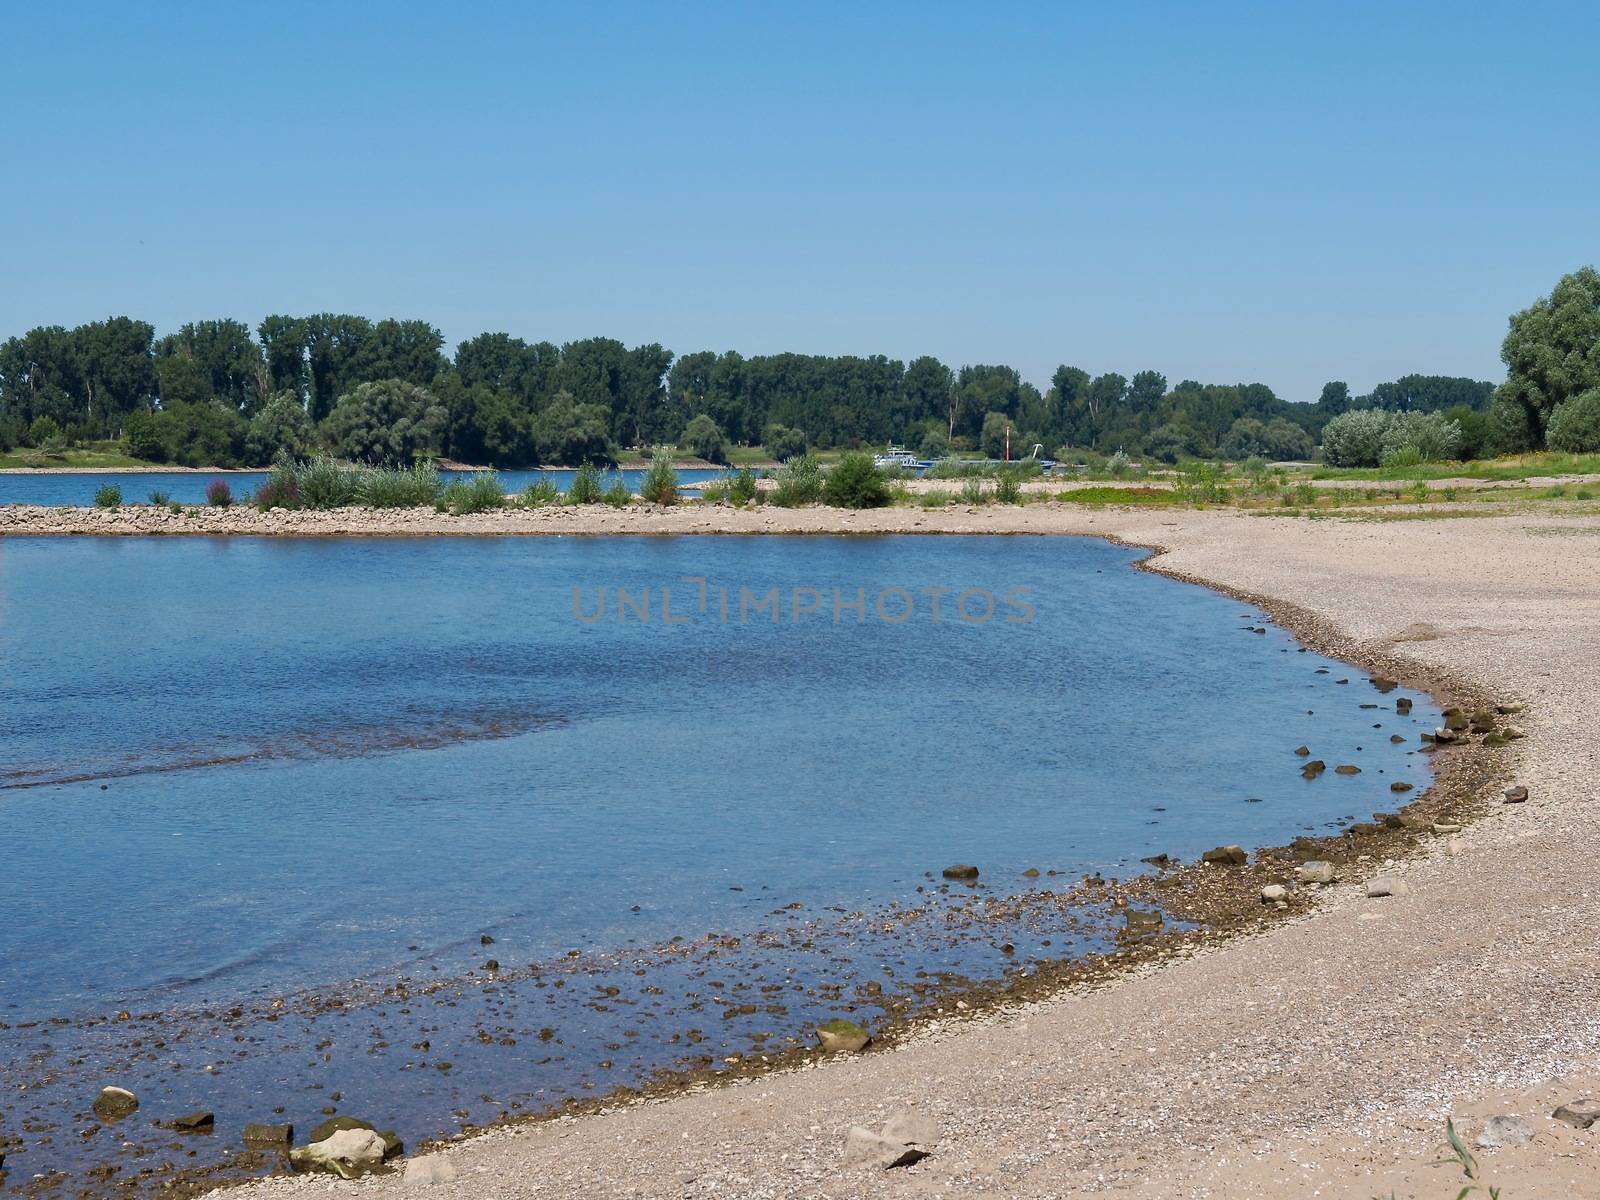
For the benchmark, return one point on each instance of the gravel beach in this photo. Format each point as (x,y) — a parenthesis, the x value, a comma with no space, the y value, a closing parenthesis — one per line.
(1320,1058)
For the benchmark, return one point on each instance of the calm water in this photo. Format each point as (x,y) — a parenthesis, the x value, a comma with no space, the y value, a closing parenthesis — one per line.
(233,770)
(189,487)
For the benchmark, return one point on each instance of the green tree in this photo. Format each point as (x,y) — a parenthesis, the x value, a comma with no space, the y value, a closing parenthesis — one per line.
(704,440)
(569,433)
(387,421)
(1355,438)
(280,426)
(1574,426)
(783,443)
(855,483)
(1552,352)
(992,440)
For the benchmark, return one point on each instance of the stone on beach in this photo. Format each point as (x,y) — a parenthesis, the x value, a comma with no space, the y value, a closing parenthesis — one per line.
(430,1169)
(1317,872)
(1232,856)
(1517,795)
(1503,1130)
(1384,885)
(1274,893)
(1580,1114)
(907,1138)
(840,1036)
(961,871)
(345,1152)
(194,1122)
(258,1135)
(1313,768)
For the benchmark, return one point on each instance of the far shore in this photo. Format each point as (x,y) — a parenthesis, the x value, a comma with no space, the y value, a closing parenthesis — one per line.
(629,464)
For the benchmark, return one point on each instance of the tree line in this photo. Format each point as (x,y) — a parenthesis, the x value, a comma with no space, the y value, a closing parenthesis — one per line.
(218,392)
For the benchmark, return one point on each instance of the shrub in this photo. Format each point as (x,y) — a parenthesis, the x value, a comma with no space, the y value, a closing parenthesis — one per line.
(1575,425)
(937,498)
(660,482)
(1202,483)
(1008,487)
(1355,439)
(783,443)
(108,496)
(704,440)
(934,445)
(1119,464)
(972,491)
(799,481)
(742,487)
(398,487)
(324,483)
(219,494)
(585,487)
(159,498)
(1428,433)
(855,483)
(955,468)
(540,493)
(281,489)
(617,494)
(715,490)
(1401,458)
(481,492)
(386,421)
(44,431)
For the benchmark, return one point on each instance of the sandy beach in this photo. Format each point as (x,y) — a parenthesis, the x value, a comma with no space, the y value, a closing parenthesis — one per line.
(1320,1057)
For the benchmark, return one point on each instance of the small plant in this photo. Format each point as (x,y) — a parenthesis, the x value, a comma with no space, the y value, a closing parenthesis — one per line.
(1401,458)
(1118,465)
(281,490)
(1419,492)
(1202,483)
(938,498)
(715,491)
(1008,487)
(398,487)
(1469,1164)
(160,499)
(585,487)
(855,483)
(219,494)
(1305,495)
(481,493)
(617,494)
(1451,493)
(540,493)
(972,491)
(742,488)
(799,481)
(108,496)
(324,483)
(660,482)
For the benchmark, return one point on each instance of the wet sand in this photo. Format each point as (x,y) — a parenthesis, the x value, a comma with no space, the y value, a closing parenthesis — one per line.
(1319,1056)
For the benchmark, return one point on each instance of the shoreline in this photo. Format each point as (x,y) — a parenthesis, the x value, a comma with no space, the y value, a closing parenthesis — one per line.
(941,1039)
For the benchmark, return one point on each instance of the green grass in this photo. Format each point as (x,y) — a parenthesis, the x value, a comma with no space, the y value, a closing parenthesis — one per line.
(103,457)
(1522,466)
(1120,495)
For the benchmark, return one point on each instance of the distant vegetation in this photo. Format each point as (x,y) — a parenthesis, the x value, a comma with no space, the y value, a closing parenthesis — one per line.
(219,393)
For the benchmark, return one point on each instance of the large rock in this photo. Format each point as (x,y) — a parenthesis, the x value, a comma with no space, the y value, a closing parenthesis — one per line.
(1517,795)
(1503,1130)
(1580,1114)
(1347,769)
(429,1169)
(195,1122)
(115,1102)
(1317,872)
(907,1138)
(1385,885)
(1313,768)
(842,1037)
(963,872)
(1228,856)
(392,1146)
(1274,893)
(346,1153)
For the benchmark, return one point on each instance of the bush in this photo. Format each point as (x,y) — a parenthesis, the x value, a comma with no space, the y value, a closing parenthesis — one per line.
(972,491)
(1575,425)
(141,436)
(540,493)
(617,494)
(855,483)
(1355,439)
(1401,458)
(660,482)
(1428,433)
(1008,487)
(783,443)
(398,487)
(703,439)
(742,488)
(481,492)
(324,483)
(937,498)
(219,494)
(108,496)
(799,481)
(43,431)
(1202,483)
(715,490)
(160,499)
(585,487)
(1118,465)
(935,445)
(281,490)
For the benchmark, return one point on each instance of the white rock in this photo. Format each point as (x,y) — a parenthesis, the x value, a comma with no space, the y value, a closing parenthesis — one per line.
(1316,872)
(1274,893)
(1502,1130)
(347,1152)
(1383,885)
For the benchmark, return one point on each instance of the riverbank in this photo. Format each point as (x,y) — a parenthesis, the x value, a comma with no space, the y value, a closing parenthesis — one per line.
(1321,1056)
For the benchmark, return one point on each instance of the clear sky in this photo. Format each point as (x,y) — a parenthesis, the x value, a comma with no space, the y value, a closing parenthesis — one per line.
(1280,192)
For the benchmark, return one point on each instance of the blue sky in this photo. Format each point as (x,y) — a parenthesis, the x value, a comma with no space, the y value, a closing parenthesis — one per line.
(1275,192)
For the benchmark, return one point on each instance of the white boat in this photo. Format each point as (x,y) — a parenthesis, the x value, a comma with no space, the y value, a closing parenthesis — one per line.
(899,456)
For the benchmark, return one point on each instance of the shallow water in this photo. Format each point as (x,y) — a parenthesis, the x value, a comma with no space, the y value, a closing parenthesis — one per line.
(234,770)
(77,489)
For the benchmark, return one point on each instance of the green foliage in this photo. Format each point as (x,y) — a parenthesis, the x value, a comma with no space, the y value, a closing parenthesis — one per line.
(541,492)
(141,437)
(937,498)
(108,496)
(219,494)
(1202,483)
(617,494)
(1008,487)
(1355,439)
(159,499)
(323,482)
(1552,352)
(973,491)
(742,488)
(1574,426)
(573,434)
(854,482)
(388,422)
(992,439)
(43,431)
(1118,465)
(1430,434)
(481,491)
(398,487)
(935,444)
(585,487)
(783,443)
(703,439)
(660,482)
(1400,458)
(281,426)
(799,481)
(714,491)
